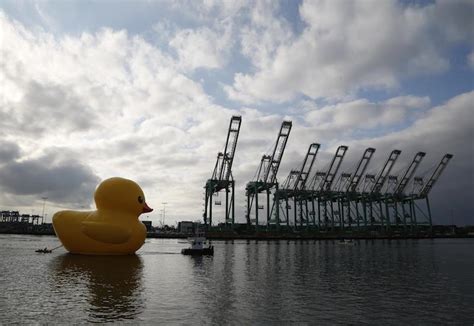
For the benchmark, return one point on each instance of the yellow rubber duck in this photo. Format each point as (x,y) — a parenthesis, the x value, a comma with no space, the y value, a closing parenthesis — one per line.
(113,229)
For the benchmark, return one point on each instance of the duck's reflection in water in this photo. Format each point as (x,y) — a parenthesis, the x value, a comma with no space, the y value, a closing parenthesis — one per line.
(112,284)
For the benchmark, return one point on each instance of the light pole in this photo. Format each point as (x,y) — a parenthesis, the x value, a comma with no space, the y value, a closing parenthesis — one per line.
(44,203)
(164,213)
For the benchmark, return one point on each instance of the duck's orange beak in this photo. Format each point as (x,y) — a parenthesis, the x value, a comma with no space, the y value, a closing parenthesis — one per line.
(146,208)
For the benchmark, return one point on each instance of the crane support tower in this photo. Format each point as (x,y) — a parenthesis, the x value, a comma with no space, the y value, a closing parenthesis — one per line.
(294,187)
(372,201)
(413,200)
(266,179)
(222,178)
(350,199)
(395,203)
(323,194)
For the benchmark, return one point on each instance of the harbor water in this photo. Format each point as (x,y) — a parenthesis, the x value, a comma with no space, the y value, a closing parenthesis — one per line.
(373,282)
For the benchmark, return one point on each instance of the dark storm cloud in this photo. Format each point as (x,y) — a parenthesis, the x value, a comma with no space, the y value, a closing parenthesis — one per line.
(8,152)
(457,19)
(437,131)
(47,107)
(444,129)
(63,181)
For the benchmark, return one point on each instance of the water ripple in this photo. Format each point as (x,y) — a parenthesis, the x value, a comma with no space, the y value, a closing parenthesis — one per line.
(245,283)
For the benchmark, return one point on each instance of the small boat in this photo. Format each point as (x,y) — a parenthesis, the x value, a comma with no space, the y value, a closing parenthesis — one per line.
(348,242)
(43,251)
(197,247)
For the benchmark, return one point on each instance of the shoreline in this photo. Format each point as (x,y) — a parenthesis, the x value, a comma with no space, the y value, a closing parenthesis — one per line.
(264,234)
(278,237)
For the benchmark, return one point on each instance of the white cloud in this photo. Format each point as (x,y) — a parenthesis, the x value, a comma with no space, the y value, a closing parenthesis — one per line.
(346,118)
(349,46)
(203,47)
(119,102)
(223,8)
(409,101)
(66,180)
(262,37)
(110,103)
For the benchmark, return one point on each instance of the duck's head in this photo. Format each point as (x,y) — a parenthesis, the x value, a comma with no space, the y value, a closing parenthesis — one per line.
(122,195)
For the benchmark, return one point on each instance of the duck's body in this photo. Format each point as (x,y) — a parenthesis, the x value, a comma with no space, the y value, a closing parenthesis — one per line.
(113,229)
(94,233)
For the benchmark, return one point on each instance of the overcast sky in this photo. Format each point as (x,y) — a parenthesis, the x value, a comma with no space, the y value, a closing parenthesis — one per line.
(145,90)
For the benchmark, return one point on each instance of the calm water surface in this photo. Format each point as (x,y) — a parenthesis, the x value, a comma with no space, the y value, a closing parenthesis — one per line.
(246,282)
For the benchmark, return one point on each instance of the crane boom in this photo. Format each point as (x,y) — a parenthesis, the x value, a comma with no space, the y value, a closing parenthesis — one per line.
(382,177)
(307,166)
(215,172)
(229,149)
(290,181)
(400,188)
(360,170)
(342,184)
(264,164)
(435,176)
(222,175)
(272,168)
(316,180)
(333,168)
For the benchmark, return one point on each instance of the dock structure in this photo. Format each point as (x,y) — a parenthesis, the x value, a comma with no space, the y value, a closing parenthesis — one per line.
(324,199)
(14,222)
(16,217)
(346,201)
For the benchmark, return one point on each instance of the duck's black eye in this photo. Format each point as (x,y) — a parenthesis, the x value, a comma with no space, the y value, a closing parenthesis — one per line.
(140,199)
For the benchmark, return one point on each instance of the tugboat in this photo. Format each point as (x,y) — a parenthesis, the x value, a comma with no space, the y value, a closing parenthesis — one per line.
(197,247)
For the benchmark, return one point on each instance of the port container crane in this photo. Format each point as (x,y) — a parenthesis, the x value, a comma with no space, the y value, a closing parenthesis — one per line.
(272,169)
(396,201)
(425,190)
(306,167)
(284,193)
(266,177)
(373,196)
(408,174)
(322,193)
(300,185)
(325,186)
(384,197)
(295,185)
(222,178)
(351,195)
(435,176)
(383,175)
(360,170)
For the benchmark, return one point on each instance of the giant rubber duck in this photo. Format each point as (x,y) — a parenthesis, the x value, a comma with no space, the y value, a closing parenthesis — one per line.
(113,229)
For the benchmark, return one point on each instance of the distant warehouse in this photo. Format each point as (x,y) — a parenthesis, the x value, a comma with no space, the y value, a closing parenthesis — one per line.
(186,227)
